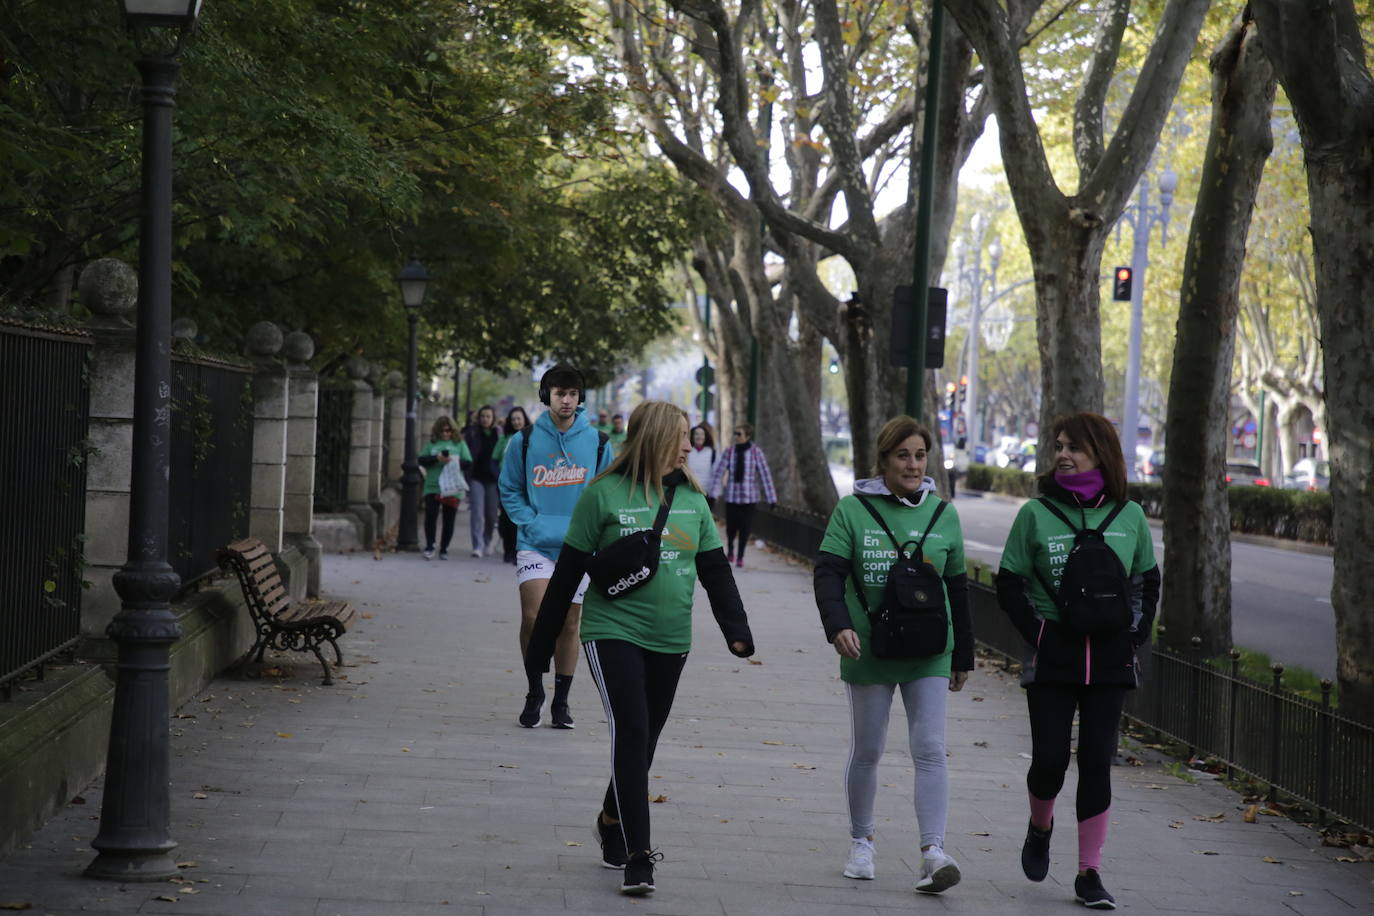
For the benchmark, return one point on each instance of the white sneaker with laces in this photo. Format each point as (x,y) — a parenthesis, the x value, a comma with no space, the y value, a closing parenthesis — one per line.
(939,872)
(860,864)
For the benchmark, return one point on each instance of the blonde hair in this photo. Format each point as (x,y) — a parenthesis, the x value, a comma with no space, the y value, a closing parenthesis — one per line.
(653,434)
(892,435)
(437,429)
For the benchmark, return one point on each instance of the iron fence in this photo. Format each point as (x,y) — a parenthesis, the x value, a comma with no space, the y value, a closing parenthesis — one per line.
(1302,749)
(211,464)
(43,425)
(332,431)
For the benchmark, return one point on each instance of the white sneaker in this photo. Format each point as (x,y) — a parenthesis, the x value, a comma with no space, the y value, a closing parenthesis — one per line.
(477,554)
(939,872)
(860,864)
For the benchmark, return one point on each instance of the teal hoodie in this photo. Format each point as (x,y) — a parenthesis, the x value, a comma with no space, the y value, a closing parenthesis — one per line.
(541,485)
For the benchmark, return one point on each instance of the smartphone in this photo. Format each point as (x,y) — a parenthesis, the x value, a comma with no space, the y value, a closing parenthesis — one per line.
(444,453)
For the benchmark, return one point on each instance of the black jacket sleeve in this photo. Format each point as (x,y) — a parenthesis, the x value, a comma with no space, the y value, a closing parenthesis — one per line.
(957,587)
(714,572)
(1013,596)
(553,610)
(1145,589)
(828,581)
(428,461)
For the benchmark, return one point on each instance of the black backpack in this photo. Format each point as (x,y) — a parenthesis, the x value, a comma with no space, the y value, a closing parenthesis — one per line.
(911,622)
(1094,594)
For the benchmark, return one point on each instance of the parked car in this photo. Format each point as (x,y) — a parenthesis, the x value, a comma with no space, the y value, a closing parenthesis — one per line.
(1152,468)
(1239,473)
(1309,474)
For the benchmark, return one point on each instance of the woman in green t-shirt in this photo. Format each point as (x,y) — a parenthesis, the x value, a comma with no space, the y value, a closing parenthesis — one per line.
(444,445)
(857,551)
(637,642)
(1066,671)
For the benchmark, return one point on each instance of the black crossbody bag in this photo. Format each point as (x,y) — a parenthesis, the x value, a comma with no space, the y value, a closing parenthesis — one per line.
(912,621)
(629,562)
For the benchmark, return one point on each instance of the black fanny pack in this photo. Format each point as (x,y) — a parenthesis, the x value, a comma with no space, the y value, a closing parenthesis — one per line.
(628,563)
(911,622)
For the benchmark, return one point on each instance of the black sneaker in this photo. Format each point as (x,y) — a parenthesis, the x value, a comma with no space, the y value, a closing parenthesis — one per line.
(612,840)
(639,873)
(529,716)
(1088,890)
(1035,852)
(561,717)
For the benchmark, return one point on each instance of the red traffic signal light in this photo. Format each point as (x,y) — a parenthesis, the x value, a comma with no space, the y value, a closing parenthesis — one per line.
(1121,285)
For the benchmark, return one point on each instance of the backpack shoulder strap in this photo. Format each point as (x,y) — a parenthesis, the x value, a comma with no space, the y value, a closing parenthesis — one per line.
(939,508)
(663,508)
(1054,510)
(1111,517)
(601,439)
(525,432)
(874,512)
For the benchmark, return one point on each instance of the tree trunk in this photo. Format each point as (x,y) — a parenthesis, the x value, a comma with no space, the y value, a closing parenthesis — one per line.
(1319,53)
(1197,536)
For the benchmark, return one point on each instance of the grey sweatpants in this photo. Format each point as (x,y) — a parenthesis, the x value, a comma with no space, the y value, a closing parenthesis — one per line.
(869,708)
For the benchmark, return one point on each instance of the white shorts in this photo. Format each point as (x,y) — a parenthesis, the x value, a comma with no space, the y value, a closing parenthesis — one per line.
(531,565)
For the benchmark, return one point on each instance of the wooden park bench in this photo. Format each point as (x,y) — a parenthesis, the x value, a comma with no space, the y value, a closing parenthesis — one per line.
(281,623)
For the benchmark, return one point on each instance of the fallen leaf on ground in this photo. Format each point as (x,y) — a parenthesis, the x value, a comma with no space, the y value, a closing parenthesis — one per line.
(1211,818)
(771,741)
(980,744)
(1206,852)
(1273,861)
(1295,893)
(167,897)
(1347,859)
(572,843)
(366,616)
(1251,814)
(200,795)
(188,864)
(802,766)
(659,799)
(283,734)
(754,661)
(508,766)
(977,699)
(1177,825)
(405,750)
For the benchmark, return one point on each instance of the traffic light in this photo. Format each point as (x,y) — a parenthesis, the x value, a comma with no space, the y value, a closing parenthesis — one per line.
(1121,286)
(951,394)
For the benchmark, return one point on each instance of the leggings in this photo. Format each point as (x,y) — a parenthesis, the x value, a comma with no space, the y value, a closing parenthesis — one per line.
(869,704)
(637,688)
(432,510)
(738,517)
(1051,715)
(483,498)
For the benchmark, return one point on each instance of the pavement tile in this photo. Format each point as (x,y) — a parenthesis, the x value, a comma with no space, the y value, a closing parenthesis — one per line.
(407,788)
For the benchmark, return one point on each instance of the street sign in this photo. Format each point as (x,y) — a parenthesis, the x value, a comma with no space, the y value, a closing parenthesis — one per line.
(706,375)
(705,401)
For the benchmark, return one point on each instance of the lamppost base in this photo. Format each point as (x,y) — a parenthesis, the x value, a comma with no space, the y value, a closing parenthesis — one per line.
(127,867)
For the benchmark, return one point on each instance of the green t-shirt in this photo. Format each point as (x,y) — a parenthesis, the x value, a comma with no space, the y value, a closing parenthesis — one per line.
(658,615)
(1040,542)
(456,450)
(857,536)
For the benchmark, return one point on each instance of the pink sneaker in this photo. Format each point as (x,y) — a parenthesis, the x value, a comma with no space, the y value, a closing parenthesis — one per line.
(740,562)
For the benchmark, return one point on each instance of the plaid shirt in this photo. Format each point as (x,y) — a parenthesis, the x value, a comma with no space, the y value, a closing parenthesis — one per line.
(745,490)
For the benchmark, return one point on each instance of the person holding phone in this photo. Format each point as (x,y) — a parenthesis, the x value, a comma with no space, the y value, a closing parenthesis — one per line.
(444,445)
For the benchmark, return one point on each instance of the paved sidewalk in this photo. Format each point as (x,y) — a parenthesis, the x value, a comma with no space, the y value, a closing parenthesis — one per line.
(408,789)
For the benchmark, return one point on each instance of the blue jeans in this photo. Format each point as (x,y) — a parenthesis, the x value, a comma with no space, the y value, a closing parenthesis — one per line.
(484,499)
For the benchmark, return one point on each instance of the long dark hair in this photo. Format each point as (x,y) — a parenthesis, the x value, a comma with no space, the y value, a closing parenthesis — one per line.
(709,441)
(506,424)
(1094,433)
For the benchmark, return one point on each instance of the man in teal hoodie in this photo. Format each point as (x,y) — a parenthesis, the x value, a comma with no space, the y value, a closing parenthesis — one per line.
(542,475)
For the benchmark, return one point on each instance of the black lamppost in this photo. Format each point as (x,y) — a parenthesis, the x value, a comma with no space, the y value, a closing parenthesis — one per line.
(413,280)
(134,841)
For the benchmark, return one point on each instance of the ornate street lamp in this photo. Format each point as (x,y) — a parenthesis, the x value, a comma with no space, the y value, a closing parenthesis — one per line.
(134,841)
(414,281)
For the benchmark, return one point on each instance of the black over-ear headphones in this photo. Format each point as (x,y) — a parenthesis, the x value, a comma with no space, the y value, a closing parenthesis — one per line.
(562,369)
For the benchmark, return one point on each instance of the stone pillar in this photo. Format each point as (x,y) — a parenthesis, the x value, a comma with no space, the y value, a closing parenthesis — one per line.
(298,513)
(270,411)
(360,451)
(109,290)
(396,442)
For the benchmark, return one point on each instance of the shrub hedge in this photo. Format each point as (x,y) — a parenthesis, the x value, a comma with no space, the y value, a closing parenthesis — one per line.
(1294,514)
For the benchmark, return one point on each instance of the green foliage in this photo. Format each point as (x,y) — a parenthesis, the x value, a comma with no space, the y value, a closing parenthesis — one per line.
(321,143)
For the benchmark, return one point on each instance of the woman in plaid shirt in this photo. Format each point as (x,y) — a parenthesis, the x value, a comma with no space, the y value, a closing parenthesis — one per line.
(739,472)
